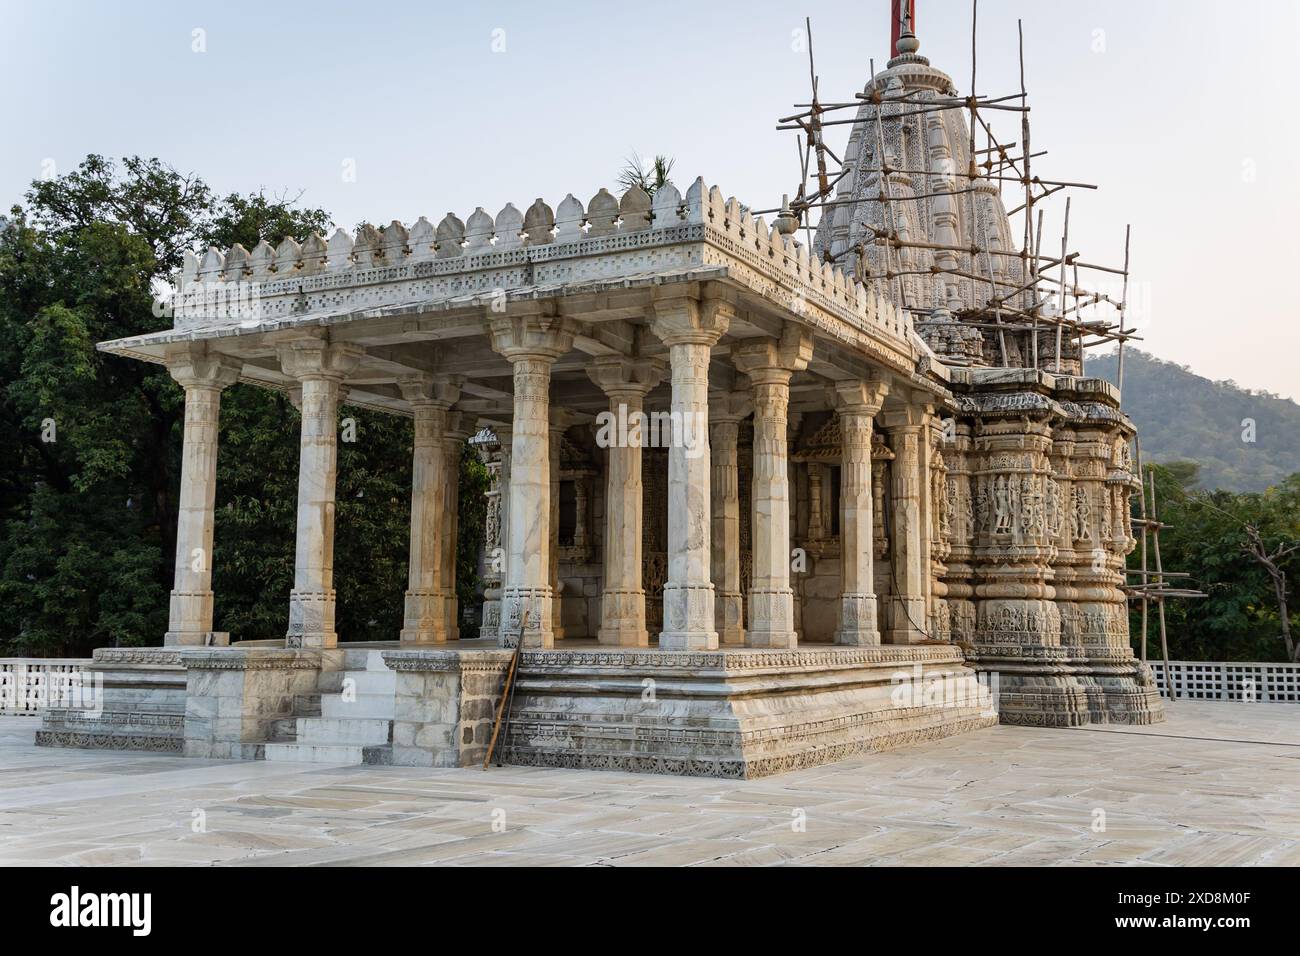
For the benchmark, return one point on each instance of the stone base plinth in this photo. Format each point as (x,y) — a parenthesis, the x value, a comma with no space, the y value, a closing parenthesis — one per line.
(1058,687)
(236,695)
(132,699)
(736,713)
(444,705)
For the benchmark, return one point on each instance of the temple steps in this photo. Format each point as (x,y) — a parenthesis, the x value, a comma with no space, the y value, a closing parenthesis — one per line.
(352,713)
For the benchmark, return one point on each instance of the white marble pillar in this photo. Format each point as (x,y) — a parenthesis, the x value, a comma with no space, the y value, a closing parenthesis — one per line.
(320,369)
(498,545)
(203,375)
(910,545)
(424,618)
(622,433)
(559,419)
(857,404)
(690,328)
(769,365)
(725,415)
(453,446)
(531,343)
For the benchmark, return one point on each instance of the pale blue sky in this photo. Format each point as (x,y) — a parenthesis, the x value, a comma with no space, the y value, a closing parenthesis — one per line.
(1182,112)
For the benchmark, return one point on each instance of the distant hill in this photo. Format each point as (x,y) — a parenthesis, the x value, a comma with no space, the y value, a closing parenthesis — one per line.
(1182,416)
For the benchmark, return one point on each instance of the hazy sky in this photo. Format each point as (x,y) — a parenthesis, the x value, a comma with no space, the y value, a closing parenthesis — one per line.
(1179,111)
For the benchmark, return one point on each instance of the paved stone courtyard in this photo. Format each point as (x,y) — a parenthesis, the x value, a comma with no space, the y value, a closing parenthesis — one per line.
(1219,783)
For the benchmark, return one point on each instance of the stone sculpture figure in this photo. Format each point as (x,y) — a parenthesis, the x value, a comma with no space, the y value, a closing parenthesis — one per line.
(1082,515)
(1001,506)
(1053,508)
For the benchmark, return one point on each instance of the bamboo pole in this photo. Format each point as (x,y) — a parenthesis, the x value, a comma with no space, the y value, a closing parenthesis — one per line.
(1065,239)
(1142,501)
(1123,306)
(1160,580)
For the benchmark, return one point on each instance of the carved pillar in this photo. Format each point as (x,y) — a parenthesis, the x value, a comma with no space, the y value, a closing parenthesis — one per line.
(725,416)
(496,544)
(581,506)
(622,601)
(882,468)
(910,542)
(1014,547)
(816,526)
(531,343)
(424,619)
(857,404)
(1094,614)
(320,369)
(1061,526)
(453,446)
(690,328)
(203,375)
(940,526)
(769,366)
(959,574)
(560,419)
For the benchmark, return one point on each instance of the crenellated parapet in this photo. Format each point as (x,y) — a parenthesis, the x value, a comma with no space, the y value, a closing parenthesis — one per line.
(542,251)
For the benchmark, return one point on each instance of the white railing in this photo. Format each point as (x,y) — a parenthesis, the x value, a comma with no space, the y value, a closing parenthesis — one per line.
(1221,680)
(26,686)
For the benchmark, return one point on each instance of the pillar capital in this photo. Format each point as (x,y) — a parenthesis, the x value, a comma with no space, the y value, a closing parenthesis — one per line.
(456,427)
(911,417)
(730,407)
(532,336)
(315,358)
(773,360)
(683,320)
(622,378)
(559,420)
(425,389)
(859,397)
(193,365)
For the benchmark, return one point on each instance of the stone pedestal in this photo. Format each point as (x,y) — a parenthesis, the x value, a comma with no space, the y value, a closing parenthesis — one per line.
(738,713)
(444,705)
(320,369)
(857,404)
(622,599)
(141,697)
(203,375)
(235,696)
(690,328)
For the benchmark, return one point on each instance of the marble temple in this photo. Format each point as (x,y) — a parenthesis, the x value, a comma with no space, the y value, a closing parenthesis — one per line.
(751,509)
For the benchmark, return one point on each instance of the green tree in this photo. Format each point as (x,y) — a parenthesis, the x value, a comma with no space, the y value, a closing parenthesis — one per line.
(88,489)
(1208,535)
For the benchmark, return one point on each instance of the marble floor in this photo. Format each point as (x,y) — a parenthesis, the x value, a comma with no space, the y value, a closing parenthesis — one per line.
(1219,783)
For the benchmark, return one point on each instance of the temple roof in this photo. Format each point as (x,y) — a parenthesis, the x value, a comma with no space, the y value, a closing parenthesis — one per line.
(939,197)
(598,263)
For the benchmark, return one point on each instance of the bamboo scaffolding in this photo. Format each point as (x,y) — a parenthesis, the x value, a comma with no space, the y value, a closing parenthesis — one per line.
(822,170)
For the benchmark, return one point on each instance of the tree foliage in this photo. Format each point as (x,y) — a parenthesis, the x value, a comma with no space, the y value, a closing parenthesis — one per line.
(1207,535)
(88,489)
(636,173)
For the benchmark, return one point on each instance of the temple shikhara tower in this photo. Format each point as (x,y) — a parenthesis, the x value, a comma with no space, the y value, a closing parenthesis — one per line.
(765,493)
